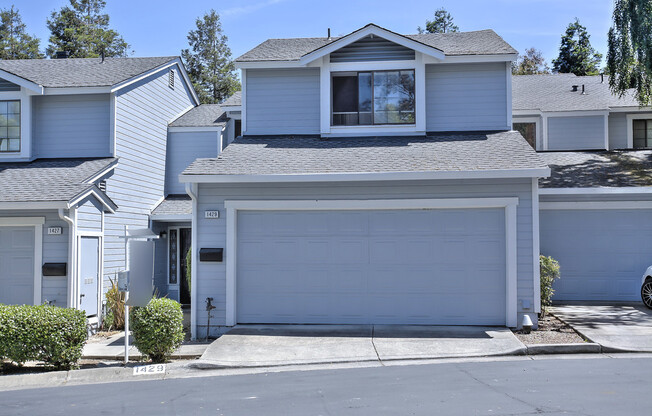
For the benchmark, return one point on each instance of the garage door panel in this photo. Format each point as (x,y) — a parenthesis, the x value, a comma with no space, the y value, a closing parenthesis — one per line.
(602,253)
(382,267)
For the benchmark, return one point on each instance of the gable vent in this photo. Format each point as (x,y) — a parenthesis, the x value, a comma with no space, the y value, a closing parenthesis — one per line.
(171,78)
(102,186)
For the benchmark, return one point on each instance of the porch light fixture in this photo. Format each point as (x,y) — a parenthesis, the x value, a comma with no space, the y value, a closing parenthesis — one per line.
(163,235)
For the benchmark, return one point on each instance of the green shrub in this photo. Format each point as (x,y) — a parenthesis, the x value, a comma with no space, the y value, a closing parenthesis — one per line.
(549,273)
(107,321)
(115,306)
(45,333)
(158,328)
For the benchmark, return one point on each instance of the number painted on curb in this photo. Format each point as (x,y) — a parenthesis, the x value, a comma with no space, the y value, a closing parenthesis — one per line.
(149,369)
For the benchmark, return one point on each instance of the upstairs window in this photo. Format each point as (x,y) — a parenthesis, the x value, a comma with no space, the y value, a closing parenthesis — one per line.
(372,98)
(642,134)
(9,126)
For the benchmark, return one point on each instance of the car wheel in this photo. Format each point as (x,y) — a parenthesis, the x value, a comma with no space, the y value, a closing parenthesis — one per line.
(646,293)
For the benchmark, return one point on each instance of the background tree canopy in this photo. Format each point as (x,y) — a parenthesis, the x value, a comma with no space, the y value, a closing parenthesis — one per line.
(442,23)
(82,30)
(576,54)
(532,63)
(208,60)
(15,42)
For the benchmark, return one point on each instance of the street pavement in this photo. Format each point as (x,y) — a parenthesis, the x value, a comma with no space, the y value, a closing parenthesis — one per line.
(568,385)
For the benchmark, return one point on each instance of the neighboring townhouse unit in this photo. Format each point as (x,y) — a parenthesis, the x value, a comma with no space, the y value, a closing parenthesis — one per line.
(83,148)
(376,182)
(596,207)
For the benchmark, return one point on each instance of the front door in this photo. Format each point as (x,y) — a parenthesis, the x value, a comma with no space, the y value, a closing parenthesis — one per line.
(89,274)
(184,246)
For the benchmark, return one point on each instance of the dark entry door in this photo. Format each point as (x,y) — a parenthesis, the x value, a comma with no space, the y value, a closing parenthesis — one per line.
(184,246)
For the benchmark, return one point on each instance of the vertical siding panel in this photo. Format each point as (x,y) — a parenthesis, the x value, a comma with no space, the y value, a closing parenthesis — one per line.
(183,149)
(576,133)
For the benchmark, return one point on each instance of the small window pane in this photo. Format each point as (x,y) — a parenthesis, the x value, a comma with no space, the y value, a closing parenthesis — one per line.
(13,120)
(13,107)
(14,145)
(13,132)
(3,145)
(3,132)
(3,107)
(4,120)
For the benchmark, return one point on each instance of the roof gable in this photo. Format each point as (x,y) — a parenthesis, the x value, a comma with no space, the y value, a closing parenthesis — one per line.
(372,48)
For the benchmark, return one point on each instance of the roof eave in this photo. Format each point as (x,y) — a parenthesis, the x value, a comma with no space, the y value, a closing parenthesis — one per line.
(368,176)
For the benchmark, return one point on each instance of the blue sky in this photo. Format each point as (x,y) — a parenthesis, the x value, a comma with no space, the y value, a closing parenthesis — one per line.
(159,27)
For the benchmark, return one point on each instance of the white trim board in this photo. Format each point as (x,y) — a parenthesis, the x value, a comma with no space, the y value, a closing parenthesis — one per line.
(509,204)
(37,223)
(584,205)
(379,176)
(596,191)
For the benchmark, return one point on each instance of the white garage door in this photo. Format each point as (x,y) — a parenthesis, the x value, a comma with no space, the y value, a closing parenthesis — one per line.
(602,253)
(17,265)
(437,267)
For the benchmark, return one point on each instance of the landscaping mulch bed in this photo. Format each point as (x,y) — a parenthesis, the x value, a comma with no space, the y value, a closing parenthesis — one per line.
(550,331)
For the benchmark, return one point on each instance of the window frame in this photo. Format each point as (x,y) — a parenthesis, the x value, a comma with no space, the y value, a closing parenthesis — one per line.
(538,135)
(20,127)
(357,73)
(648,137)
(536,126)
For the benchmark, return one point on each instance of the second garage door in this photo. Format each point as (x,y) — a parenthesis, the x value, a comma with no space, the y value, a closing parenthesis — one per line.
(437,267)
(17,265)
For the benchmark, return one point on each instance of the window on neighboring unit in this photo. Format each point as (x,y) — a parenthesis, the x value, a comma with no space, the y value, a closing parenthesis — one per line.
(368,98)
(528,131)
(172,246)
(171,78)
(10,126)
(642,134)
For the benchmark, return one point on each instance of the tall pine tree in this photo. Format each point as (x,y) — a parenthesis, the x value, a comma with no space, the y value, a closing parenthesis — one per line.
(576,55)
(15,42)
(442,23)
(82,30)
(532,63)
(209,60)
(629,58)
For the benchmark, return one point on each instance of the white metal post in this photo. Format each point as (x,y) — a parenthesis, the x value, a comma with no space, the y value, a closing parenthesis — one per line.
(126,329)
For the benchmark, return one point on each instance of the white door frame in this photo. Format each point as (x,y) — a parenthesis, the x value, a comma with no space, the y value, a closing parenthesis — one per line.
(508,204)
(176,286)
(37,223)
(100,267)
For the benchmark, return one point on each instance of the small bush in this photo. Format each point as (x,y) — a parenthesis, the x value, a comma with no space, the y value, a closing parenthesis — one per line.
(107,321)
(549,273)
(158,328)
(115,305)
(45,333)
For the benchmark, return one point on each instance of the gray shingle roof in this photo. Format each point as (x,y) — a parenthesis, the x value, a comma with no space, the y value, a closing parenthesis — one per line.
(174,205)
(481,42)
(233,100)
(81,72)
(48,179)
(598,169)
(554,93)
(444,152)
(205,115)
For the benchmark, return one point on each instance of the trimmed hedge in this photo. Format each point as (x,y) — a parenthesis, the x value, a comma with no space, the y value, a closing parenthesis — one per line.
(158,328)
(45,333)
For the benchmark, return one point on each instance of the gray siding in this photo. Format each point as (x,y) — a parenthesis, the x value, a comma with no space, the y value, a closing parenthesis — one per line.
(143,112)
(8,86)
(71,125)
(576,133)
(55,250)
(212,233)
(466,97)
(89,215)
(183,148)
(372,49)
(602,253)
(282,101)
(617,131)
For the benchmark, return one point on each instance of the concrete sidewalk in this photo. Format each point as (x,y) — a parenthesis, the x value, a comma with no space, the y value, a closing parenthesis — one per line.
(279,345)
(617,328)
(113,348)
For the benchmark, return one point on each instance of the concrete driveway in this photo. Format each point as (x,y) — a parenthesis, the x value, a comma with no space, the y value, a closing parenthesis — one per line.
(274,345)
(617,328)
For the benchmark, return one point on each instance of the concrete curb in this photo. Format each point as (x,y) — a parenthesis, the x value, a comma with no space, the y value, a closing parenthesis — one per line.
(579,348)
(216,365)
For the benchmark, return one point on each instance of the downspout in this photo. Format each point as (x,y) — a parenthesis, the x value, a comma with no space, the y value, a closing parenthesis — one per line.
(72,258)
(191,190)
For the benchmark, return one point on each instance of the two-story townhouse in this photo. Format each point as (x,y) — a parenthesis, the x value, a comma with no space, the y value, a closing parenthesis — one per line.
(83,149)
(596,207)
(377,181)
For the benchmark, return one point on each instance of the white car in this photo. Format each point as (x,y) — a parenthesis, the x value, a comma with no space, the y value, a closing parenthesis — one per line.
(646,288)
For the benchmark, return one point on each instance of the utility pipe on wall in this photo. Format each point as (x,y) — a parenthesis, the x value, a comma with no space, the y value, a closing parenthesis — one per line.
(72,256)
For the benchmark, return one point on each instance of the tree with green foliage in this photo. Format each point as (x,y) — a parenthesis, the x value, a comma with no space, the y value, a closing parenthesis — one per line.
(208,60)
(548,273)
(82,30)
(532,63)
(576,55)
(629,58)
(15,42)
(442,23)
